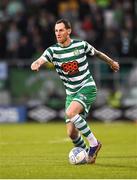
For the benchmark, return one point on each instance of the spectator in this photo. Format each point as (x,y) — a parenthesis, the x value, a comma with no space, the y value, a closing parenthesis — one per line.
(13,36)
(2,41)
(91,20)
(14,7)
(110,42)
(126,44)
(26,49)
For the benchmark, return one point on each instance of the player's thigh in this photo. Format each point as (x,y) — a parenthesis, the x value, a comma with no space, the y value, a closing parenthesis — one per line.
(86,97)
(74,108)
(80,103)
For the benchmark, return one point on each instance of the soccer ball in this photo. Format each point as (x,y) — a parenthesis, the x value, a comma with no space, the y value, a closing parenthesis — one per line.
(78,155)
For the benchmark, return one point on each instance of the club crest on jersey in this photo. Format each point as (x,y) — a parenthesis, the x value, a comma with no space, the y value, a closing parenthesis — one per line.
(76,52)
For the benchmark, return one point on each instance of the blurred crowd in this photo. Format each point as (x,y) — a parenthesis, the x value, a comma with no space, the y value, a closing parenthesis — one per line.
(27,26)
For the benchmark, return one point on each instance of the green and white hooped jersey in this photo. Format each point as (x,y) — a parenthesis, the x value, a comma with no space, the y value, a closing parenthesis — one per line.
(71,64)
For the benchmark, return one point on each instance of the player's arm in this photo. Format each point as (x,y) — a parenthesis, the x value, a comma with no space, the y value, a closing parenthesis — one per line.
(37,64)
(113,64)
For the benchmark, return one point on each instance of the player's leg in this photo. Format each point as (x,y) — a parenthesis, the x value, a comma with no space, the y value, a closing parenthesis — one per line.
(80,123)
(72,131)
(73,113)
(75,136)
(81,103)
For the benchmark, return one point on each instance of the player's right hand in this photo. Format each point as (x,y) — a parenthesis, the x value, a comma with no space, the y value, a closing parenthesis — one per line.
(35,66)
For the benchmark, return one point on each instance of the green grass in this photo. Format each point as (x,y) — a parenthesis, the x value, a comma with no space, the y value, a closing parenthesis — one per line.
(41,151)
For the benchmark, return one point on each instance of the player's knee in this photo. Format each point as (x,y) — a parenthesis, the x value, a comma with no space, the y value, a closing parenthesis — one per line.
(70,114)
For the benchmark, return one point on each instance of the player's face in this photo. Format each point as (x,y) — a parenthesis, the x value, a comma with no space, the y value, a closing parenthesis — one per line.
(62,34)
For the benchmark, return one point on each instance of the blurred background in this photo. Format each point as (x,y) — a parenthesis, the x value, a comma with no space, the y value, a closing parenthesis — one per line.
(27,29)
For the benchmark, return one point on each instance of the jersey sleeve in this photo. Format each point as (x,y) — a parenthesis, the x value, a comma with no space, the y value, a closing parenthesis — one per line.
(89,50)
(47,55)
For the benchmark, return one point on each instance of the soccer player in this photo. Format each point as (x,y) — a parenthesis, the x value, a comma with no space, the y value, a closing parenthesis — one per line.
(69,57)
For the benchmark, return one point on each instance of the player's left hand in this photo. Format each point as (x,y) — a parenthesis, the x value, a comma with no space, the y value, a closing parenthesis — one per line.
(115,66)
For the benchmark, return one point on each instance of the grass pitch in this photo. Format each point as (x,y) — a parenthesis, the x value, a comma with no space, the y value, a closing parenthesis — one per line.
(40,151)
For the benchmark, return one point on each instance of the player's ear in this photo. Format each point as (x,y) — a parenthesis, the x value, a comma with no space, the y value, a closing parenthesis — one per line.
(69,31)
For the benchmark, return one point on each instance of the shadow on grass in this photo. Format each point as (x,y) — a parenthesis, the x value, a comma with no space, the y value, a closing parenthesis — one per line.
(118,157)
(116,165)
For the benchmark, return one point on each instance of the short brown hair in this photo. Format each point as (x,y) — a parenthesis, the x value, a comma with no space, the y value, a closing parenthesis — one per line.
(65,22)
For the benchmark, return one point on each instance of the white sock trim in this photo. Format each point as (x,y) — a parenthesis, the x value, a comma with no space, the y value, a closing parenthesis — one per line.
(67,120)
(92,140)
(77,116)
